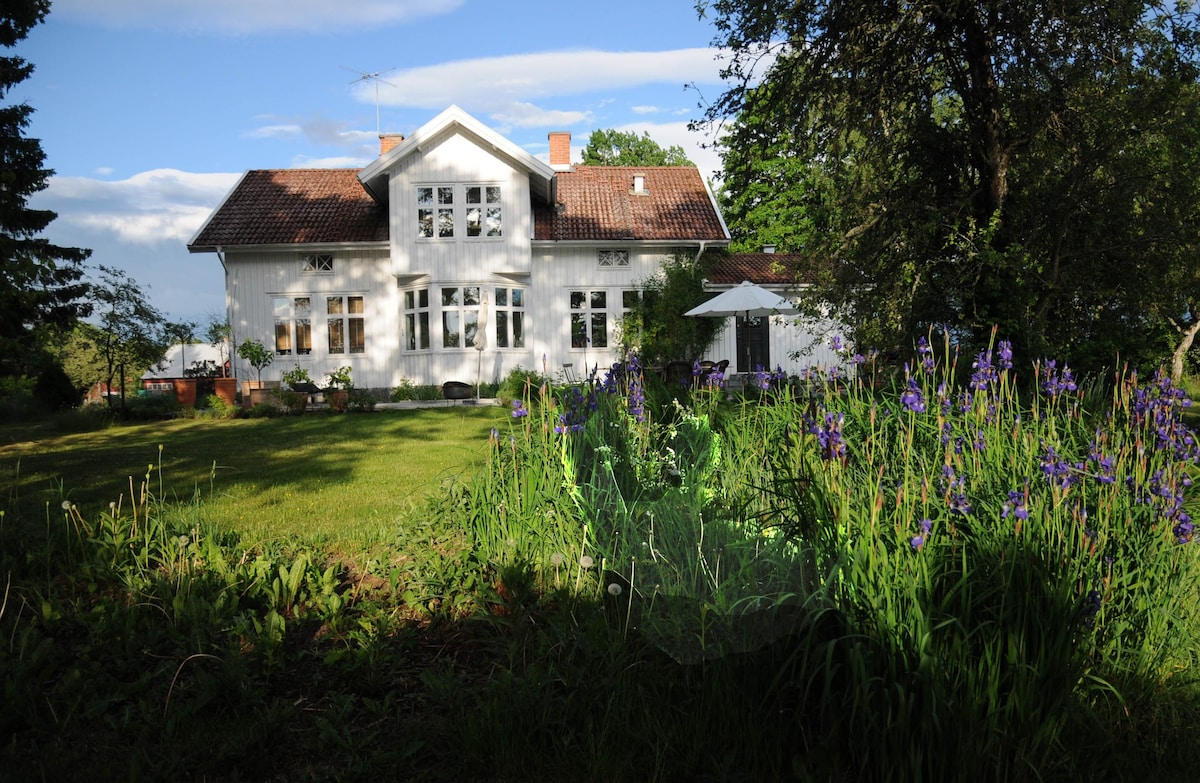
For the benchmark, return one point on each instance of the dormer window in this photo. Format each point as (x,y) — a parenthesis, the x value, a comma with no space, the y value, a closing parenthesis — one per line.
(316,264)
(451,211)
(639,184)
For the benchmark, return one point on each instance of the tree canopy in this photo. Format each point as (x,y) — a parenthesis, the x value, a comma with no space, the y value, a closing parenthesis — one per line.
(41,284)
(1030,164)
(625,148)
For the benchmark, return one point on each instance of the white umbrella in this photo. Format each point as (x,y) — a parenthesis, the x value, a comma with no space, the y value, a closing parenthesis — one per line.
(481,338)
(747,300)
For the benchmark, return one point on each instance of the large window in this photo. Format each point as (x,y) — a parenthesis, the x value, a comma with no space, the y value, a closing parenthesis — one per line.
(508,315)
(589,319)
(460,316)
(345,324)
(483,211)
(416,320)
(293,325)
(449,211)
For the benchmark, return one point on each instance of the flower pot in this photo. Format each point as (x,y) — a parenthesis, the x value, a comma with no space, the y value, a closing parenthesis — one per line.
(339,400)
(266,393)
(185,391)
(226,389)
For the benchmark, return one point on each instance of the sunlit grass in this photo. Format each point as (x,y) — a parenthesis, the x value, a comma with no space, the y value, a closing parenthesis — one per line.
(307,477)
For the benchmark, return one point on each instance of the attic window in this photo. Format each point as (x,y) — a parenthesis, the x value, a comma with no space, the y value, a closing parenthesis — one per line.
(639,184)
(316,264)
(612,259)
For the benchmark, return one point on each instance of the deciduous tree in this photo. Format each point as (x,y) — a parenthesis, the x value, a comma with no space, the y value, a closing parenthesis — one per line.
(963,164)
(625,148)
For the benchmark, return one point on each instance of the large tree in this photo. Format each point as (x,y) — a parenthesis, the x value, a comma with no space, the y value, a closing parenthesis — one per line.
(625,148)
(41,284)
(1025,163)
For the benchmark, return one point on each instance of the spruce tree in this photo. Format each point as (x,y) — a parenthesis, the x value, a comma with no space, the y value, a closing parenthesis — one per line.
(42,286)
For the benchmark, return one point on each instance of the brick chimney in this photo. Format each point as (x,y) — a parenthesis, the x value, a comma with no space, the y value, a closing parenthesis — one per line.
(560,149)
(389,140)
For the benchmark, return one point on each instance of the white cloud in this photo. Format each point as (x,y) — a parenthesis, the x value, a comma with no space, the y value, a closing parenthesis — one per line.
(645,109)
(153,207)
(497,84)
(250,16)
(526,115)
(320,131)
(335,162)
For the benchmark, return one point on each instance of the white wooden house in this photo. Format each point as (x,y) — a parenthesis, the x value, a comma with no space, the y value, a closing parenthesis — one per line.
(455,255)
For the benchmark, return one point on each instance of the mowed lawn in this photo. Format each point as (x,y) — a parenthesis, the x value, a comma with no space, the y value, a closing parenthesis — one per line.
(299,477)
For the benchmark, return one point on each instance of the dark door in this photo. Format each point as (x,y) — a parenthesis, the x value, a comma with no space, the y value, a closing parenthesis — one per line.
(753,344)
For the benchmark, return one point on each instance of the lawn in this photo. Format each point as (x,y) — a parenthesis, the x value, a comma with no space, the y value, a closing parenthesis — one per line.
(291,478)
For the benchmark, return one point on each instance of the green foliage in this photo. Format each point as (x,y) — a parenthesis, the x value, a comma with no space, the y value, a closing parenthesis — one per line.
(131,333)
(1031,159)
(654,328)
(42,291)
(520,384)
(54,389)
(295,376)
(257,354)
(625,148)
(339,379)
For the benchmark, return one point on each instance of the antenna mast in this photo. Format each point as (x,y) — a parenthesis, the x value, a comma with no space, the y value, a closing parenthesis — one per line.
(376,78)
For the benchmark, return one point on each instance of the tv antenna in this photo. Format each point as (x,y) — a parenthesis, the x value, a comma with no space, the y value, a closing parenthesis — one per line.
(376,77)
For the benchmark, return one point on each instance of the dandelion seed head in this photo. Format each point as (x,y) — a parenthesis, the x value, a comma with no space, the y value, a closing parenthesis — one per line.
(614,589)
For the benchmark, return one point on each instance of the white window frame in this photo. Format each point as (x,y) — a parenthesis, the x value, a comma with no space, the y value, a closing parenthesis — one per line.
(509,318)
(292,315)
(613,259)
(470,211)
(416,320)
(316,264)
(346,322)
(460,315)
(588,311)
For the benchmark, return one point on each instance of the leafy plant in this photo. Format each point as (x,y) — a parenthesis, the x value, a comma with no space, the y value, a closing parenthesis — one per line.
(339,379)
(254,352)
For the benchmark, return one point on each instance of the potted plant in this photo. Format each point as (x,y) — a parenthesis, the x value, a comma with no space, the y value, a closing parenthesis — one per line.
(337,388)
(182,333)
(299,386)
(254,352)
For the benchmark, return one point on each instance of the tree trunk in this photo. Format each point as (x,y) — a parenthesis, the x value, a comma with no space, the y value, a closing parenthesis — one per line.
(1185,345)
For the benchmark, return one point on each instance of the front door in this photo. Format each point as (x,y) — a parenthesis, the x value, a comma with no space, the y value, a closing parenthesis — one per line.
(753,344)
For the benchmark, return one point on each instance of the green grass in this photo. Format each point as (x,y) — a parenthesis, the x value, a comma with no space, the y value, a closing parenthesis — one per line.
(305,477)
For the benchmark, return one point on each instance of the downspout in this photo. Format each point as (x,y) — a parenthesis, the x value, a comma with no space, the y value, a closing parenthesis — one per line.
(699,252)
(228,316)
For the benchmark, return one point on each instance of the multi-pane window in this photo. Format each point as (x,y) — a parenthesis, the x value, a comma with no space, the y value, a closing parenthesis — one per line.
(589,319)
(293,325)
(316,263)
(611,259)
(483,211)
(509,317)
(460,316)
(435,212)
(345,324)
(449,211)
(416,320)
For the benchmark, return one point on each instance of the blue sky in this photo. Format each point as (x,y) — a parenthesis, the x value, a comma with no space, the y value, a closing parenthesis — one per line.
(149,110)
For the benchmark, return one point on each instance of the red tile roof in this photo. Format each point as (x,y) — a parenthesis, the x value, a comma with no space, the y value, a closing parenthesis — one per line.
(298,206)
(762,268)
(598,203)
(295,206)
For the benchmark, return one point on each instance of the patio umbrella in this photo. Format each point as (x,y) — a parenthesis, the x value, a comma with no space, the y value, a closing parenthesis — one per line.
(481,339)
(747,300)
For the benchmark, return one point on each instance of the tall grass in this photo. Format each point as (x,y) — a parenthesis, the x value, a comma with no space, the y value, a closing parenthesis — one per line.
(975,575)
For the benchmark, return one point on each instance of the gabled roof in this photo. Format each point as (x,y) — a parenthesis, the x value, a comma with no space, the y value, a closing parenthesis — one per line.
(599,203)
(294,206)
(773,269)
(374,177)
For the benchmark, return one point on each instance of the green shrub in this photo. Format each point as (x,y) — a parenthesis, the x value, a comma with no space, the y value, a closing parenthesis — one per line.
(520,384)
